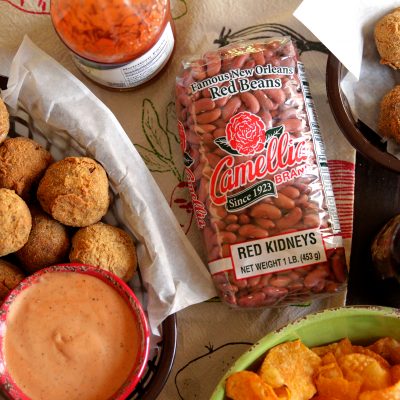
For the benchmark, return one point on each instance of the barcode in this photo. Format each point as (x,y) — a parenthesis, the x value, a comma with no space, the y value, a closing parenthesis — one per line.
(319,149)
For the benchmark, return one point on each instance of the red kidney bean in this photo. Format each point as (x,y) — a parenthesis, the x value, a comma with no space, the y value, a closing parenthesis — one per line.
(208,116)
(213,61)
(314,278)
(204,128)
(239,61)
(230,108)
(259,58)
(276,95)
(204,104)
(227,287)
(226,250)
(212,159)
(264,210)
(264,223)
(251,300)
(222,101)
(220,123)
(284,202)
(290,191)
(252,231)
(251,102)
(267,118)
(280,281)
(273,291)
(227,237)
(312,220)
(294,124)
(206,93)
(289,219)
(295,287)
(198,72)
(231,218)
(240,283)
(219,132)
(265,102)
(232,227)
(254,281)
(243,219)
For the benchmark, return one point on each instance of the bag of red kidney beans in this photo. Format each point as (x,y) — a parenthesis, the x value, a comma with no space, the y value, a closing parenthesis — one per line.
(258,175)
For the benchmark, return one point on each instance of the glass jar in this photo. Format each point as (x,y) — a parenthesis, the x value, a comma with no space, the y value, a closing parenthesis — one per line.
(117,43)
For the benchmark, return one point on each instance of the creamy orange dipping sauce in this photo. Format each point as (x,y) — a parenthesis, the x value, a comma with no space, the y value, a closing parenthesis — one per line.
(70,336)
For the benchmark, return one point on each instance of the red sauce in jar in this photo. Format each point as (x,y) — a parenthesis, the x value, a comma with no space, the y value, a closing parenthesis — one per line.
(107,35)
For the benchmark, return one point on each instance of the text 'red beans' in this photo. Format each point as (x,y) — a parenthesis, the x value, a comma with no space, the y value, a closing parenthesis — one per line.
(258,175)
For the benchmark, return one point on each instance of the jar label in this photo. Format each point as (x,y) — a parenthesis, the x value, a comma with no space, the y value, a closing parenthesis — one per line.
(134,73)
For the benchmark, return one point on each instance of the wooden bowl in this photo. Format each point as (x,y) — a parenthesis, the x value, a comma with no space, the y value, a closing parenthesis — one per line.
(364,139)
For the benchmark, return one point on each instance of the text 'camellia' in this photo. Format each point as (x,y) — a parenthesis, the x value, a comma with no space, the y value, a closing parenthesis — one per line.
(280,153)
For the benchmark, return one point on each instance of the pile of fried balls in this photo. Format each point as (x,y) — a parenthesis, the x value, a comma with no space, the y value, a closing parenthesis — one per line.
(51,211)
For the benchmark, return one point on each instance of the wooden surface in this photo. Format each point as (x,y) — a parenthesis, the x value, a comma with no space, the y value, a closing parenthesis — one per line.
(377,199)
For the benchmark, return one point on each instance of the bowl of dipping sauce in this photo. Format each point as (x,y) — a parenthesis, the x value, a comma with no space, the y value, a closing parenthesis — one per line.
(72,331)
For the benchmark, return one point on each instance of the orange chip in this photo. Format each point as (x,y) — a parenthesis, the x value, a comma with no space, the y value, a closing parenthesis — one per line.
(388,348)
(328,358)
(373,354)
(395,373)
(390,393)
(283,393)
(338,349)
(322,350)
(247,385)
(365,369)
(292,365)
(329,367)
(338,388)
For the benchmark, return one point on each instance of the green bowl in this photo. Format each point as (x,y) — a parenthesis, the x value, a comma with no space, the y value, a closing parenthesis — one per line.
(362,325)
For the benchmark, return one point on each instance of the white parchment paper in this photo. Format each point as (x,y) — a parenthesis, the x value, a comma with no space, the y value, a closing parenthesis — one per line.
(174,275)
(347,29)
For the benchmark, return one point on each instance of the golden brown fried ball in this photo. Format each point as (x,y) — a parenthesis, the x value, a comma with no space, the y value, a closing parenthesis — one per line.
(107,247)
(4,121)
(74,191)
(15,222)
(387,38)
(389,116)
(48,243)
(22,164)
(10,276)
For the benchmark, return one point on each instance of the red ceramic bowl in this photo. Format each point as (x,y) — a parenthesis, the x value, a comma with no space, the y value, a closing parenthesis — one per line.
(6,381)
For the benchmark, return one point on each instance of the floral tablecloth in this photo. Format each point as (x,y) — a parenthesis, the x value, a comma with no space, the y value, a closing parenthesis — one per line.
(210,336)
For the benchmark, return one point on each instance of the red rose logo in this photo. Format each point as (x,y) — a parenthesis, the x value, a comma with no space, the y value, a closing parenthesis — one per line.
(245,133)
(182,136)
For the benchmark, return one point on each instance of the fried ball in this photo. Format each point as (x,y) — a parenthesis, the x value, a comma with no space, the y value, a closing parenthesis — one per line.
(22,164)
(389,116)
(15,222)
(74,191)
(107,247)
(10,276)
(4,121)
(387,38)
(48,243)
